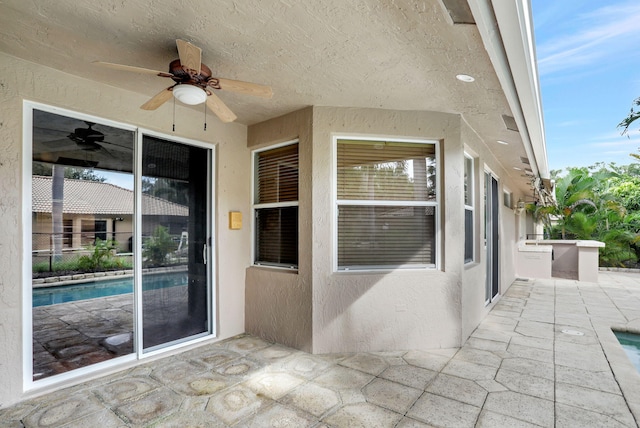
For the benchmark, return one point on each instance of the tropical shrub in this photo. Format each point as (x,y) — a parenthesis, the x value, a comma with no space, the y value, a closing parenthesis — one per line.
(157,247)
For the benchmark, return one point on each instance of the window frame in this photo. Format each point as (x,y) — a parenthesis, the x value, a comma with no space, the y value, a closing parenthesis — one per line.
(255,207)
(336,203)
(469,184)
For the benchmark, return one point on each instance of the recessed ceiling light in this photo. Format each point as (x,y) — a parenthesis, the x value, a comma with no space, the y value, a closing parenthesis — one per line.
(465,78)
(503,142)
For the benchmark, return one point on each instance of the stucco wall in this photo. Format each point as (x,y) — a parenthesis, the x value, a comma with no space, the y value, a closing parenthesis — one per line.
(20,80)
(278,302)
(416,309)
(474,308)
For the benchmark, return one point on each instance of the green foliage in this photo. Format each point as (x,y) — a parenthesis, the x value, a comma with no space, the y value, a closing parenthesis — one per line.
(101,256)
(600,202)
(45,169)
(62,266)
(619,248)
(96,261)
(157,247)
(627,190)
(634,114)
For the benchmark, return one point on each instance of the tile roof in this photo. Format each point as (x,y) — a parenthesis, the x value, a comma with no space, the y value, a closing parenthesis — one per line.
(93,197)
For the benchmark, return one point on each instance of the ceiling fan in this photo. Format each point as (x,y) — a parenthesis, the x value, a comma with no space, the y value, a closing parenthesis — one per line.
(194,83)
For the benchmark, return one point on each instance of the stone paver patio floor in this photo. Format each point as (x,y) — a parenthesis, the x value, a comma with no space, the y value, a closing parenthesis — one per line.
(544,356)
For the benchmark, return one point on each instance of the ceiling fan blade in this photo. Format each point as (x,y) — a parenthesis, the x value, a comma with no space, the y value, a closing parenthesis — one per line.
(155,102)
(133,69)
(245,88)
(190,55)
(220,109)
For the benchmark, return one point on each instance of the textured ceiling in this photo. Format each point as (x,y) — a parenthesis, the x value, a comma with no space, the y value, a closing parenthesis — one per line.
(393,54)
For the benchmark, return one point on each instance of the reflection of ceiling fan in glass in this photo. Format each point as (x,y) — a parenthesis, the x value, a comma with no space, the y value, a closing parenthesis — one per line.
(86,139)
(194,83)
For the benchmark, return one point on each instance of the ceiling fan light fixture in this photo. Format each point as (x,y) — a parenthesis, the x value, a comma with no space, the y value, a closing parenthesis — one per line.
(189,94)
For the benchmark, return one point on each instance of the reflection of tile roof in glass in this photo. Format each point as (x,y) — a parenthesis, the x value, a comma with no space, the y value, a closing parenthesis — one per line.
(93,197)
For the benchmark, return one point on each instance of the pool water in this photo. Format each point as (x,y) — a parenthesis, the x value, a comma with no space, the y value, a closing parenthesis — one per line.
(44,296)
(631,344)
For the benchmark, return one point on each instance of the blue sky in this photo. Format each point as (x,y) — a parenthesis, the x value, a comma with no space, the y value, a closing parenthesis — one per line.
(589,65)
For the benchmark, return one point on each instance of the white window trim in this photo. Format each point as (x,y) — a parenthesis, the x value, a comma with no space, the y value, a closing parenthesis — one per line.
(472,198)
(335,202)
(488,171)
(255,207)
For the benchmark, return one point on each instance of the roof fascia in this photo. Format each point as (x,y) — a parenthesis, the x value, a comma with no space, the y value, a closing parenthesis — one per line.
(507,33)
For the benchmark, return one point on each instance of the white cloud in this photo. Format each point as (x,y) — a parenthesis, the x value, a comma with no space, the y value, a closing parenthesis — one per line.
(612,140)
(605,33)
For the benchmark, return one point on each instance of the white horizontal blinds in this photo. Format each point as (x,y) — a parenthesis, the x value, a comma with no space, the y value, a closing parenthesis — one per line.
(276,206)
(386,195)
(392,171)
(277,175)
(385,236)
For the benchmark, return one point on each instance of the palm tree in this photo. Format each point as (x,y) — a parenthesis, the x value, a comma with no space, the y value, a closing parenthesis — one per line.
(634,115)
(585,208)
(568,216)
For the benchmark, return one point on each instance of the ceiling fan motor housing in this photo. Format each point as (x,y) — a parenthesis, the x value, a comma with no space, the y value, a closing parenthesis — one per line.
(184,75)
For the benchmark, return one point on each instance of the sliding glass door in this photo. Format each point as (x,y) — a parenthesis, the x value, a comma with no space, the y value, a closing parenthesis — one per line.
(120,241)
(492,243)
(175,243)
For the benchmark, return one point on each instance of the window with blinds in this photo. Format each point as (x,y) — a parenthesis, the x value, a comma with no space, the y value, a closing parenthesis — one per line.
(276,206)
(387,204)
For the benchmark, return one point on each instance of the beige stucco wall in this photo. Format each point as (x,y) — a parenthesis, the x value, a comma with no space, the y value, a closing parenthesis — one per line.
(372,311)
(322,311)
(20,80)
(413,309)
(474,308)
(278,302)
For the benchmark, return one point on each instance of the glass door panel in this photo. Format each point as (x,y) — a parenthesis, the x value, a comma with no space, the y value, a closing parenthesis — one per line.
(492,225)
(174,227)
(81,233)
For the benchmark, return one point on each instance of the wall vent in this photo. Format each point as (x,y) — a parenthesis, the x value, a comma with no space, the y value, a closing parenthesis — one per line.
(459,11)
(524,160)
(510,123)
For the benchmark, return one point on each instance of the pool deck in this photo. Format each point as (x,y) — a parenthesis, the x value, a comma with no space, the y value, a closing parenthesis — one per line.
(544,356)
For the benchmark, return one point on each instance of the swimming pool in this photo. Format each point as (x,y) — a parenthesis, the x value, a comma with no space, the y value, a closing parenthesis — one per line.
(44,296)
(631,344)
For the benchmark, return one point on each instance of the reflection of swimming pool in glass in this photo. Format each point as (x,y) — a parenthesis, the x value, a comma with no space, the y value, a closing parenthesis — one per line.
(44,296)
(631,344)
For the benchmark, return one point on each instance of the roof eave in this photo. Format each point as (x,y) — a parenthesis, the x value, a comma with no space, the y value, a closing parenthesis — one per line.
(507,32)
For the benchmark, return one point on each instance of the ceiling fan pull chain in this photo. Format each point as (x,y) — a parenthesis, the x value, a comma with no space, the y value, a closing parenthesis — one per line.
(174,114)
(205,116)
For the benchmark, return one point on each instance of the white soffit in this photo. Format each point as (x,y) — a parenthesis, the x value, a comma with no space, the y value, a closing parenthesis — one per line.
(507,32)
